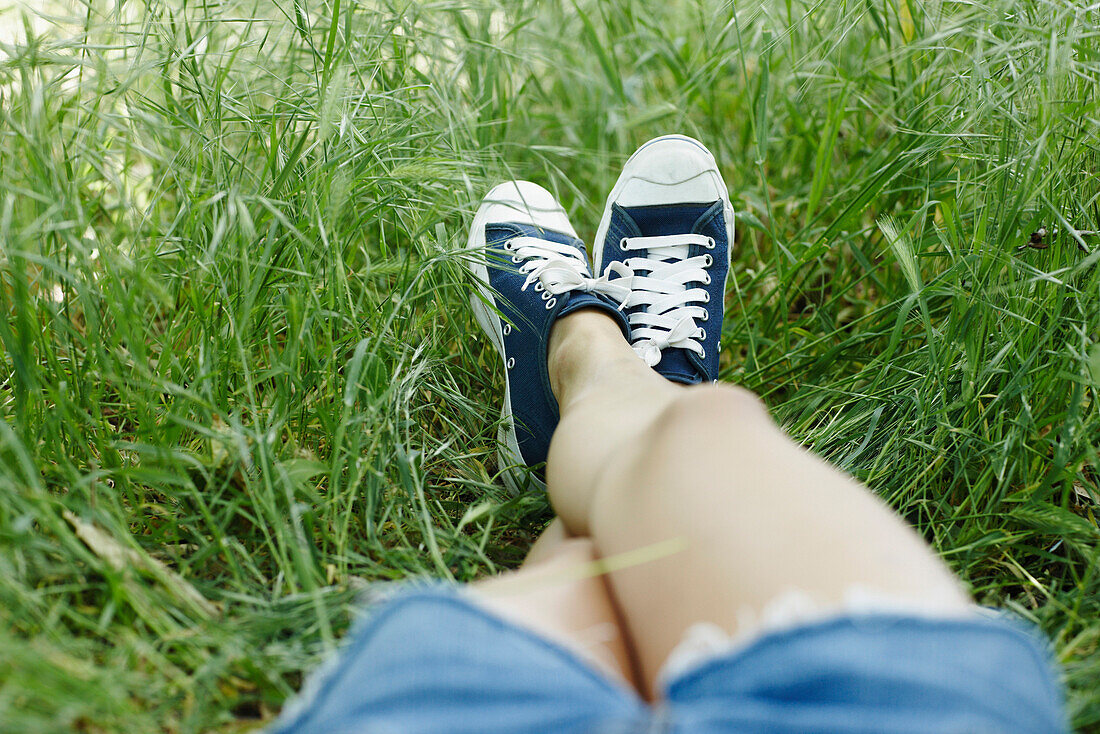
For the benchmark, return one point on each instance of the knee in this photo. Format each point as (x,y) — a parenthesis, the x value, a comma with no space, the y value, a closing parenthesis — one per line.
(709,409)
(704,421)
(698,430)
(698,436)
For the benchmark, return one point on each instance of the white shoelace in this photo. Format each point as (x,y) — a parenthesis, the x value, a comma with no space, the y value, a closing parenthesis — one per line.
(557,268)
(664,283)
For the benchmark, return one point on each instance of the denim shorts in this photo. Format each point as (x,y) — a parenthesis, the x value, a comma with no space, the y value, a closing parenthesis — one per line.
(432,660)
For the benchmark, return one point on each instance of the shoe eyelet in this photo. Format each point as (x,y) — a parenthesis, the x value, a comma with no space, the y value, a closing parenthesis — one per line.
(551,303)
(508,245)
(710,243)
(707,260)
(706,316)
(703,334)
(511,362)
(622,244)
(515,259)
(707,281)
(704,354)
(538,287)
(545,295)
(706,297)
(507,329)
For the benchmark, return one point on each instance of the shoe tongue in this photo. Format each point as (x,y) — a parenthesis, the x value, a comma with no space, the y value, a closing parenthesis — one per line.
(670,253)
(654,221)
(666,219)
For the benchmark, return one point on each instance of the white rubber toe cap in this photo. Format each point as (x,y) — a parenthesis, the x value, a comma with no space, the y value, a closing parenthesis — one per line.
(526,203)
(670,170)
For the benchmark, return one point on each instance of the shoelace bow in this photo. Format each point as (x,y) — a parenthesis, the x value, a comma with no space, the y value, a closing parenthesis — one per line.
(663,283)
(557,268)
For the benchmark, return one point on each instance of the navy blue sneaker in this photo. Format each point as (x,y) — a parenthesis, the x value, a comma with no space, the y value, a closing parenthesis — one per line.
(666,234)
(531,269)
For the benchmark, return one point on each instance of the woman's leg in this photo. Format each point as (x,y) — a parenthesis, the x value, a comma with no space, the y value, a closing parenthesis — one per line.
(548,543)
(560,592)
(703,476)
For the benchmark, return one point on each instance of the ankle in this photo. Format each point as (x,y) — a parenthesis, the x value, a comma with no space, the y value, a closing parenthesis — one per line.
(580,346)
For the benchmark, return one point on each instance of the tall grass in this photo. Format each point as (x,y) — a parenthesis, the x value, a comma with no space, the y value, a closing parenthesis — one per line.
(238,376)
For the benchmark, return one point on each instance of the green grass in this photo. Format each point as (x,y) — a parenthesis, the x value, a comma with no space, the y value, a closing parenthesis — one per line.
(239,378)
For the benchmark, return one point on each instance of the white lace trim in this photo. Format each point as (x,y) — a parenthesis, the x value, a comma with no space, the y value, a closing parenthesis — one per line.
(665,283)
(705,641)
(557,268)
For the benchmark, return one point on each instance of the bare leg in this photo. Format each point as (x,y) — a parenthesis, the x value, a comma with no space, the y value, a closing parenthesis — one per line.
(638,462)
(548,543)
(560,593)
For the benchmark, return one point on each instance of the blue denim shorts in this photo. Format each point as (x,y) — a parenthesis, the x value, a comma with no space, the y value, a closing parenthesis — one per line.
(431,661)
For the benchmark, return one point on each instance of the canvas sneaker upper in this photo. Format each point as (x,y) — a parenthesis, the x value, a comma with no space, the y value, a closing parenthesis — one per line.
(531,270)
(665,237)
